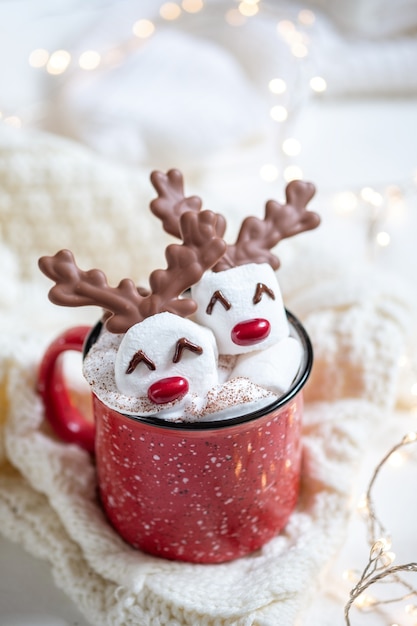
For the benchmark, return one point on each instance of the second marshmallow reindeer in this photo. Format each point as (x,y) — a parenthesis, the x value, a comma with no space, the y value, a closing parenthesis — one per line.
(162,355)
(240,299)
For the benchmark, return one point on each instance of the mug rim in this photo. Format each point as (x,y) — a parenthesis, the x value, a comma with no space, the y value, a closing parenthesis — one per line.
(296,386)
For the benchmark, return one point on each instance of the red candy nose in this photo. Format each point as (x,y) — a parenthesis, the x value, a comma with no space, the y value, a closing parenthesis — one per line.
(250,332)
(168,390)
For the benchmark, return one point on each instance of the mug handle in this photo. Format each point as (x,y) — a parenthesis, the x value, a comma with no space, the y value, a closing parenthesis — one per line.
(64,417)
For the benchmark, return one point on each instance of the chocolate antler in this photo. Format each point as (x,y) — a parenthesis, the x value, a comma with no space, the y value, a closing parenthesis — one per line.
(257,237)
(200,250)
(171,202)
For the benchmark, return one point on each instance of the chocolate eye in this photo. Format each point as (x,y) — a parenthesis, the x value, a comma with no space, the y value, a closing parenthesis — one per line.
(185,344)
(137,358)
(260,290)
(217,297)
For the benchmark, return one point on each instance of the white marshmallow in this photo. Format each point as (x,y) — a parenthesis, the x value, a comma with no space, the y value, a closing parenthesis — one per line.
(238,286)
(157,337)
(274,368)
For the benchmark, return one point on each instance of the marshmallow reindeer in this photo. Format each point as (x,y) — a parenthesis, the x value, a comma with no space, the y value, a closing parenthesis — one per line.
(240,299)
(162,355)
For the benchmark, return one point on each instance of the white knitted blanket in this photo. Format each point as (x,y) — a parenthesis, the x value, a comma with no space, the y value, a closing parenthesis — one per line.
(53,194)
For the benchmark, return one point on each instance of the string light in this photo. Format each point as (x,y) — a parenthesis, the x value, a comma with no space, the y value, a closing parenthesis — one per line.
(170,11)
(269,172)
(248,9)
(306,17)
(292,172)
(143,28)
(38,58)
(380,566)
(318,84)
(279,113)
(373,197)
(89,60)
(58,62)
(291,146)
(192,6)
(345,202)
(383,239)
(396,459)
(286,29)
(299,50)
(277,85)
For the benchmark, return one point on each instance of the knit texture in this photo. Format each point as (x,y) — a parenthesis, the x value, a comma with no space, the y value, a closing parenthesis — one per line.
(358,324)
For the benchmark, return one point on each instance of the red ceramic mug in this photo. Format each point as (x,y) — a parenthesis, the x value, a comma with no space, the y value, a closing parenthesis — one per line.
(202,492)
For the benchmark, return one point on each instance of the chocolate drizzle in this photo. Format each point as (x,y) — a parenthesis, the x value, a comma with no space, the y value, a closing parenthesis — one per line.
(261,288)
(185,344)
(137,358)
(217,296)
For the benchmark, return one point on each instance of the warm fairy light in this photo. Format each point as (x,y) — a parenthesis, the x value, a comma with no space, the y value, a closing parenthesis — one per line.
(269,172)
(170,11)
(294,38)
(345,202)
(292,172)
(363,506)
(277,85)
(192,6)
(379,567)
(291,146)
(279,113)
(373,197)
(318,84)
(58,62)
(385,543)
(299,50)
(285,28)
(248,9)
(143,29)
(383,239)
(364,601)
(350,575)
(306,17)
(38,57)
(89,60)
(411,609)
(387,558)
